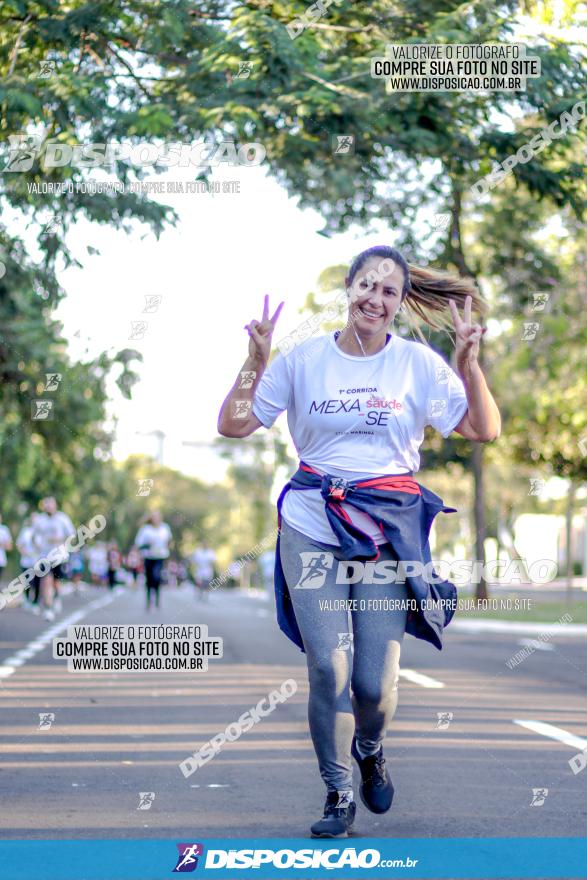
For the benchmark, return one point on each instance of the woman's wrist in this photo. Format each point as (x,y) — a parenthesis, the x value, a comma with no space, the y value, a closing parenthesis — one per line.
(254,363)
(467,368)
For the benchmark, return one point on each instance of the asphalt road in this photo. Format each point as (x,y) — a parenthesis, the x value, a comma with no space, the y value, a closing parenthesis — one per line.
(115,735)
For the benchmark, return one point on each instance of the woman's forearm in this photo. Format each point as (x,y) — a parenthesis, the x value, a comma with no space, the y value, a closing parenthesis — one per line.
(483,411)
(234,419)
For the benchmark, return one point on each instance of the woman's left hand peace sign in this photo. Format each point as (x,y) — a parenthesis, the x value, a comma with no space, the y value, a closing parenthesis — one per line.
(468,335)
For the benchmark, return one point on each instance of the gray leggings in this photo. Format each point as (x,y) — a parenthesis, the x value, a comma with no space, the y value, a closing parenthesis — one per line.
(371,670)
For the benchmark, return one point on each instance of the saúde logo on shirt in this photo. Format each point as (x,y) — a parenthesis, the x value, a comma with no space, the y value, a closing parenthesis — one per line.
(382,403)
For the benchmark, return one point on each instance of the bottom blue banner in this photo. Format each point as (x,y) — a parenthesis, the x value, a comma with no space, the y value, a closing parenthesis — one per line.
(563,857)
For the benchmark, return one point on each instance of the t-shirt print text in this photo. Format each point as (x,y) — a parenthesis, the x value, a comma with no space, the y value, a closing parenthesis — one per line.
(375,410)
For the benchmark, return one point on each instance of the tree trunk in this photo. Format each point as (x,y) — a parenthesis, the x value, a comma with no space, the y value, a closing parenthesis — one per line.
(479,512)
(498,520)
(569,540)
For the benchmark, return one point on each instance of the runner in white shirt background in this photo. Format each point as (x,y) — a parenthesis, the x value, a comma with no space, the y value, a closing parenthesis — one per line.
(51,528)
(5,545)
(25,543)
(153,542)
(357,404)
(203,559)
(97,557)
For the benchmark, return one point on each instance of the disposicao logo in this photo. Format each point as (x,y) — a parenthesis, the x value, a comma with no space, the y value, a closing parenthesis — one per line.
(187,859)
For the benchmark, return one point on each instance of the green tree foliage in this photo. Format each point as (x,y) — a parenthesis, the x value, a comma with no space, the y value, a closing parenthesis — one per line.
(56,455)
(544,379)
(186,503)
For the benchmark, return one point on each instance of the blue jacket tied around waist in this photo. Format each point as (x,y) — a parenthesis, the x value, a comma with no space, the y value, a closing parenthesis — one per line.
(404,511)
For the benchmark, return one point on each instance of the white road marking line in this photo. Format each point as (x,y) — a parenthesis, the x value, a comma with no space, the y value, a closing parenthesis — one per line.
(557,733)
(534,643)
(211,785)
(420,678)
(11,664)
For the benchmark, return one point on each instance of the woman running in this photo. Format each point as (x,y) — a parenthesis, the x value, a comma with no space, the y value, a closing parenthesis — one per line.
(153,541)
(28,557)
(357,403)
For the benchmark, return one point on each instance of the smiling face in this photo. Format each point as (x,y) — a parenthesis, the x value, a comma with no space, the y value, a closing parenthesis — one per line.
(375,295)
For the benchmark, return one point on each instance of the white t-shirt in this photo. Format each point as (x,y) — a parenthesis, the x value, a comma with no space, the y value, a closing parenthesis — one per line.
(5,541)
(97,556)
(51,531)
(157,538)
(357,417)
(204,559)
(26,545)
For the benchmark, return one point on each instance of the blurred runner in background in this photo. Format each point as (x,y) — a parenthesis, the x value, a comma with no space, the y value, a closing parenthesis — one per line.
(203,559)
(50,530)
(153,541)
(182,572)
(75,569)
(26,547)
(171,573)
(133,564)
(97,556)
(5,544)
(114,563)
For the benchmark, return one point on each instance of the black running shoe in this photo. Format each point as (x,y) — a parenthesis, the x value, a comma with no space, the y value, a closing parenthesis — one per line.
(376,788)
(338,818)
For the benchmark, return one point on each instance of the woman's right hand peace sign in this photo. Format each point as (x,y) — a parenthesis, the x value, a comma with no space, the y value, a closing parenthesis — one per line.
(260,333)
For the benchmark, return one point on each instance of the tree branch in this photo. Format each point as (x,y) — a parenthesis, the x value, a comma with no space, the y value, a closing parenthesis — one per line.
(340,90)
(14,53)
(130,70)
(341,27)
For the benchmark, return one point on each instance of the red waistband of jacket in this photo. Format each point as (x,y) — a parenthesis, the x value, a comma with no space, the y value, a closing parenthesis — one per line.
(385,483)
